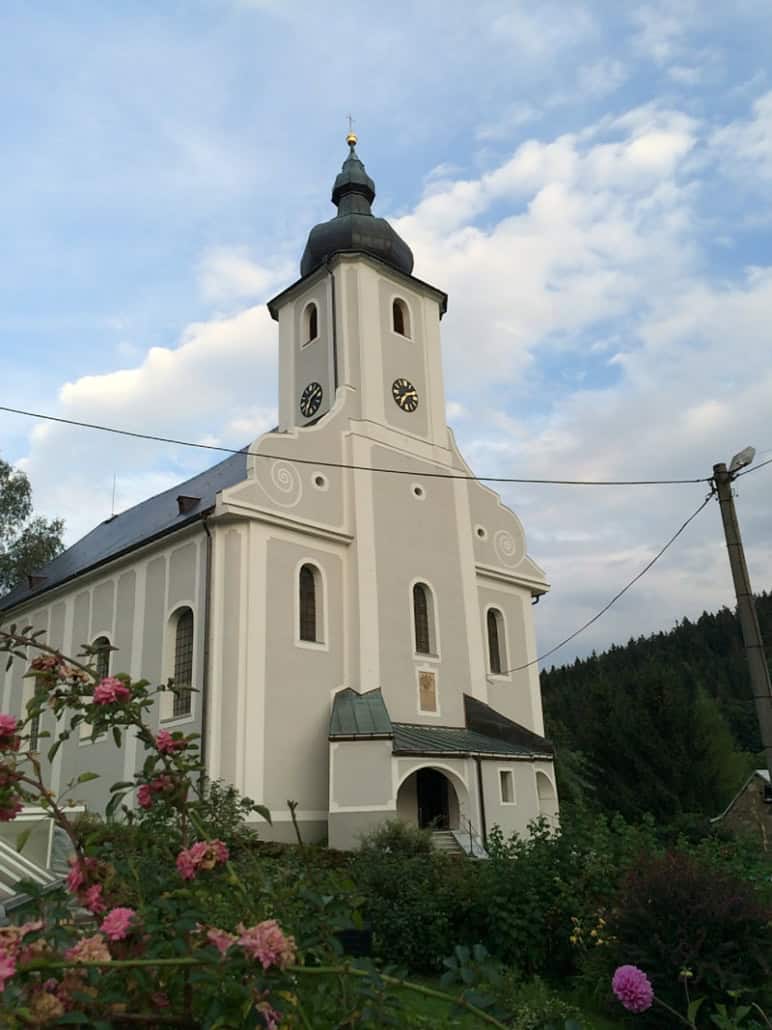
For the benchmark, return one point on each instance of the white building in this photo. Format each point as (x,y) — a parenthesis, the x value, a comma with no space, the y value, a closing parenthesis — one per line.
(349,632)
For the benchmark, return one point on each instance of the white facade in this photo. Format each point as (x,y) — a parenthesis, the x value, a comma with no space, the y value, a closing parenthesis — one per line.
(310,498)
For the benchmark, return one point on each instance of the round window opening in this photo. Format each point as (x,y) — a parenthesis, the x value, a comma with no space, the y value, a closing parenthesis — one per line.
(481,532)
(320,482)
(419,492)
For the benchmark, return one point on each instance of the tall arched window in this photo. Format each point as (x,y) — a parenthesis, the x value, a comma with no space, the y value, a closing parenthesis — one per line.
(309,604)
(423,619)
(496,654)
(101,657)
(311,323)
(183,663)
(400,317)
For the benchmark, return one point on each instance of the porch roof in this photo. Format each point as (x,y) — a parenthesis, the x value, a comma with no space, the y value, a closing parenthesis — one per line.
(359,715)
(412,739)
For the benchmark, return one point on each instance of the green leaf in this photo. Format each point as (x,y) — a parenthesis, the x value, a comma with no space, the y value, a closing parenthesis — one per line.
(693,1009)
(122,785)
(22,839)
(264,813)
(112,805)
(53,749)
(86,777)
(117,736)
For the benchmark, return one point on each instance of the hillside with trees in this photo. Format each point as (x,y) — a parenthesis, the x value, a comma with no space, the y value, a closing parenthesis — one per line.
(665,724)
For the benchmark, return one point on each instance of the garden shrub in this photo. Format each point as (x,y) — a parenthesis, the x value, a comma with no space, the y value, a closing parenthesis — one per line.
(675,913)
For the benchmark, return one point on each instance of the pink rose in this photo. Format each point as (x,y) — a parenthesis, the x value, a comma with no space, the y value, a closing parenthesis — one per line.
(92,899)
(144,796)
(117,923)
(7,967)
(9,809)
(266,943)
(110,690)
(201,855)
(167,744)
(90,949)
(220,939)
(9,739)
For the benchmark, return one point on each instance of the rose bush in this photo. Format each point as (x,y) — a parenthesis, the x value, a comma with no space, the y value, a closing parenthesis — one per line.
(163,931)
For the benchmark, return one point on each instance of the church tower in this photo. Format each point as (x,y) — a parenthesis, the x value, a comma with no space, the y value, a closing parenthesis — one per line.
(394,591)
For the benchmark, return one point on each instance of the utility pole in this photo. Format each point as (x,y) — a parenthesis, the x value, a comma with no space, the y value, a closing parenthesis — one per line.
(746,609)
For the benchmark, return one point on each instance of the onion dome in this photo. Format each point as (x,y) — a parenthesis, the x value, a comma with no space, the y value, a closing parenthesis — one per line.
(355,227)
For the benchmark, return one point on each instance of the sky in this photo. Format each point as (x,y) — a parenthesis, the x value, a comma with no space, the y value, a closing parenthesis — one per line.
(589,181)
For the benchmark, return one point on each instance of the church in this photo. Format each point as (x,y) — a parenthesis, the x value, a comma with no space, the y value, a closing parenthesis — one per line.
(350,608)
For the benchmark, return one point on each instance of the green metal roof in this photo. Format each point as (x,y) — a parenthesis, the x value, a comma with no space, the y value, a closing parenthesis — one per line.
(410,739)
(359,715)
(487,732)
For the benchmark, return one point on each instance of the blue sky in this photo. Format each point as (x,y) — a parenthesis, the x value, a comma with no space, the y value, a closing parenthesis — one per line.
(589,181)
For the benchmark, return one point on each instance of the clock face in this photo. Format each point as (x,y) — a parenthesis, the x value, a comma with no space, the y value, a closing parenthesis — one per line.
(310,399)
(405,394)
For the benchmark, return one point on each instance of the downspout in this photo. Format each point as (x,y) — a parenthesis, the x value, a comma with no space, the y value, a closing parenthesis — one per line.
(334,330)
(481,797)
(207,631)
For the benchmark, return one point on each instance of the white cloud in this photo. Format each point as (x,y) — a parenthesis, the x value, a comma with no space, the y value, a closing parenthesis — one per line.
(228,274)
(601,78)
(745,146)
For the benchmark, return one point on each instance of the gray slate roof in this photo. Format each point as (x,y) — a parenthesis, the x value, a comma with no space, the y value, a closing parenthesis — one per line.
(487,732)
(144,522)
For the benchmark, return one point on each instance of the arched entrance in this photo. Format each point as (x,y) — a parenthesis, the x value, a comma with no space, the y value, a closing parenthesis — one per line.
(427,798)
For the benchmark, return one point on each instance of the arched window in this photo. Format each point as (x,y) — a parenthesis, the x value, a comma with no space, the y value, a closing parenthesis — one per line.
(496,652)
(183,663)
(423,619)
(309,604)
(311,323)
(400,317)
(101,657)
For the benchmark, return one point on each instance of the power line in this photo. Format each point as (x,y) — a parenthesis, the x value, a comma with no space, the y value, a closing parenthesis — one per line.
(343,465)
(616,597)
(753,468)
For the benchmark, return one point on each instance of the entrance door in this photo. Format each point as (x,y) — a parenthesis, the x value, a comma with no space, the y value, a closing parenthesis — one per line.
(432,791)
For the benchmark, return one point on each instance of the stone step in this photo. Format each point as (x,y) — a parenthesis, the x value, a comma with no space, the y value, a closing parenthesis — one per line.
(443,840)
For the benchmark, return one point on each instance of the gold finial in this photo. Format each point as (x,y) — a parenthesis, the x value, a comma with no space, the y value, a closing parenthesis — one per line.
(351,138)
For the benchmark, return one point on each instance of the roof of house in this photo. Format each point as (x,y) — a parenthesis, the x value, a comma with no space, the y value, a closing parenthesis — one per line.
(763,774)
(138,525)
(365,716)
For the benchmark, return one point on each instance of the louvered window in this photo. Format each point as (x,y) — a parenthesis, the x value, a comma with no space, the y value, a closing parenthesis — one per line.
(183,663)
(308,603)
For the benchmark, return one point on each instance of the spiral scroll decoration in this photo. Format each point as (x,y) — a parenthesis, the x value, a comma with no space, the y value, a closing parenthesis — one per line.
(508,548)
(284,485)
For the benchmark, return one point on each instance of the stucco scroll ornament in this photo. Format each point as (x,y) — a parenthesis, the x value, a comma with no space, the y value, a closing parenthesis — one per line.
(282,483)
(509,548)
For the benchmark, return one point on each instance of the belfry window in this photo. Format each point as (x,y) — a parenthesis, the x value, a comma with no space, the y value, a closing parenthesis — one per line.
(311,320)
(423,619)
(400,317)
(101,657)
(183,663)
(496,656)
(310,604)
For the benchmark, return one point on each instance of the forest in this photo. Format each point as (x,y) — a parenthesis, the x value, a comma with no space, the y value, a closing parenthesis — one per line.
(664,724)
